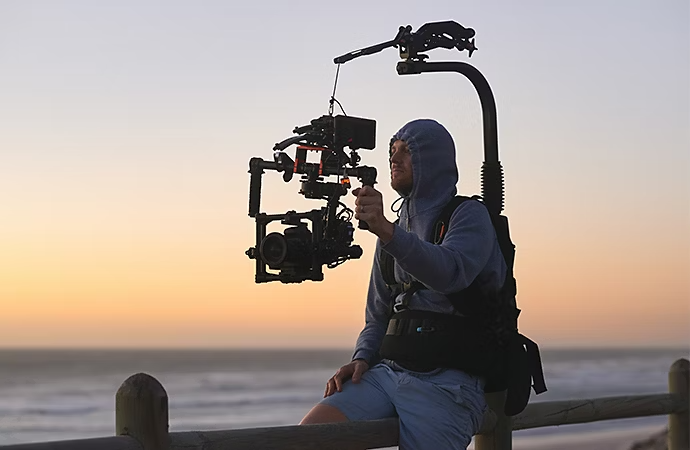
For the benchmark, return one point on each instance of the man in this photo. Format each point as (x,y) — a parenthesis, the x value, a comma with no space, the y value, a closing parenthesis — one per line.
(438,407)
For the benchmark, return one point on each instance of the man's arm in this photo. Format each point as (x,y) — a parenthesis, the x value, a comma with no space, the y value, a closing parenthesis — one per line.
(376,314)
(453,265)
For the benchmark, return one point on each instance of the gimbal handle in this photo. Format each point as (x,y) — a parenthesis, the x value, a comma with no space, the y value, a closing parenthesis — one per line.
(403,32)
(256,169)
(367,175)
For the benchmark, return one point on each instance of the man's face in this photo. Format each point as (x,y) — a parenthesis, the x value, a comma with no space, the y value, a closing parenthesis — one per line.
(401,167)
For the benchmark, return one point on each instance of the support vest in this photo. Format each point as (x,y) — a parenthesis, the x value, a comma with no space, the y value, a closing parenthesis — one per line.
(481,338)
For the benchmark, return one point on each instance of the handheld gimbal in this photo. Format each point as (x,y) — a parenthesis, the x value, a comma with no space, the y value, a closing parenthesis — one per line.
(299,254)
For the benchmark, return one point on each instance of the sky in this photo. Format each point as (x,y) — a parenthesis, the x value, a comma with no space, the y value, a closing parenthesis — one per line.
(126,129)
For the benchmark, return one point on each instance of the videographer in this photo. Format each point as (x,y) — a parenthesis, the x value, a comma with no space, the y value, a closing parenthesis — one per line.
(438,407)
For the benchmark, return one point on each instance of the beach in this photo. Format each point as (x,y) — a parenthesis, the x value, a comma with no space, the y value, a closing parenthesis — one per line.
(612,440)
(58,395)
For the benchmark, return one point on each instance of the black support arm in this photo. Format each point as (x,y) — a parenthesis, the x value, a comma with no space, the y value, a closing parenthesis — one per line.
(492,172)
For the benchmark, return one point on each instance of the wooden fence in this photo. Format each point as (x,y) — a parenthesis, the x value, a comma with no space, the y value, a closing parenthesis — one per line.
(141,423)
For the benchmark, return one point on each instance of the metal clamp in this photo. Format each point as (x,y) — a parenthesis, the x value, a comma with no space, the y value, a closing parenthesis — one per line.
(399,306)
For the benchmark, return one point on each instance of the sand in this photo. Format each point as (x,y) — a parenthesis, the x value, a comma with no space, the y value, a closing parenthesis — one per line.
(613,440)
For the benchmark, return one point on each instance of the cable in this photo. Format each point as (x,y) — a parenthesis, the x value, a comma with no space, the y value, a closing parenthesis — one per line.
(397,211)
(333,99)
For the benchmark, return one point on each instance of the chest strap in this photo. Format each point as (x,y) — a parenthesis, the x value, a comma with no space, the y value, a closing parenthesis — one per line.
(401,304)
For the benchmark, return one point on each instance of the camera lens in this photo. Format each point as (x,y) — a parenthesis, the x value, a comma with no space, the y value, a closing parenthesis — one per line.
(274,249)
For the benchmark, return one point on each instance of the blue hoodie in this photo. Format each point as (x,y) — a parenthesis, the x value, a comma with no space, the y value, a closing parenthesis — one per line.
(469,250)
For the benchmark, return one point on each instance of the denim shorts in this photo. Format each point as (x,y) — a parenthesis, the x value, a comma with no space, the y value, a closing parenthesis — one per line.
(440,409)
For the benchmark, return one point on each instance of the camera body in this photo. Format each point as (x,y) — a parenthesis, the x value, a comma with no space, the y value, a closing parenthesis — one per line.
(299,253)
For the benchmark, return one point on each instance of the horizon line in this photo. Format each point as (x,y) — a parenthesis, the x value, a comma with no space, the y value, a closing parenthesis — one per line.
(560,347)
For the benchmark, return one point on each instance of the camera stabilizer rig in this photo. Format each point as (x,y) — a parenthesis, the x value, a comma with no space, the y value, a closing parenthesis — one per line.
(450,35)
(299,253)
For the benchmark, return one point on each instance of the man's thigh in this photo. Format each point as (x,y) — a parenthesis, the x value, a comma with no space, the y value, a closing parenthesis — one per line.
(369,399)
(441,410)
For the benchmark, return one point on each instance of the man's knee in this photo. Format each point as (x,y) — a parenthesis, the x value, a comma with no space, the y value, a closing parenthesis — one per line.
(323,414)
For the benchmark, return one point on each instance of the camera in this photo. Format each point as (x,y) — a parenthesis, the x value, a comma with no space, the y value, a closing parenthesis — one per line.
(299,253)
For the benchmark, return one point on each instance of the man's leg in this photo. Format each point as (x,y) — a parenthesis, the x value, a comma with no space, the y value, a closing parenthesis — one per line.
(439,410)
(367,400)
(321,413)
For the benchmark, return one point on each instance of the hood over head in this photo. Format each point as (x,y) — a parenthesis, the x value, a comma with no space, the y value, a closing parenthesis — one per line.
(434,168)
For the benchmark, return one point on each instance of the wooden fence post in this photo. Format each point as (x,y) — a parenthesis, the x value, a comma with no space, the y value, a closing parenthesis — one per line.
(679,423)
(501,437)
(141,411)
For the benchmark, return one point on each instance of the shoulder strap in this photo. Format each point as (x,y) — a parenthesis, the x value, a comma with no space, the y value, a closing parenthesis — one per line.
(387,266)
(439,230)
(499,222)
(441,226)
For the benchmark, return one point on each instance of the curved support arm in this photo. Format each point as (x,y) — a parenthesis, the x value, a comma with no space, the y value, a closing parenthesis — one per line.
(492,172)
(486,96)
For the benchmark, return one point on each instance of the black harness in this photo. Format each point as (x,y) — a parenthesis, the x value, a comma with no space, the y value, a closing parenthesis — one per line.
(481,338)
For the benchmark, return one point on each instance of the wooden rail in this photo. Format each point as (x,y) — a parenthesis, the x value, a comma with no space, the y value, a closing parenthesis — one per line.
(141,423)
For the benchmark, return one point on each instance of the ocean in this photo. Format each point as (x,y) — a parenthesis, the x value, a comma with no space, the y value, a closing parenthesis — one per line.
(50,395)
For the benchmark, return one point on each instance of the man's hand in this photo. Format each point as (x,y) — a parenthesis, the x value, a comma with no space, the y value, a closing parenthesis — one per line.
(353,370)
(369,208)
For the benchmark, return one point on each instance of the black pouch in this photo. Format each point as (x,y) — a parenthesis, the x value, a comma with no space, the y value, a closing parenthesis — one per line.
(524,365)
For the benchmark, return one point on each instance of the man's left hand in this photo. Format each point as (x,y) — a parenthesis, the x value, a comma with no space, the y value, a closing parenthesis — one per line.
(369,208)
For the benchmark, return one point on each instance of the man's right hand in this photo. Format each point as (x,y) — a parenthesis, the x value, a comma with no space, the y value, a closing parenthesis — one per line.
(353,370)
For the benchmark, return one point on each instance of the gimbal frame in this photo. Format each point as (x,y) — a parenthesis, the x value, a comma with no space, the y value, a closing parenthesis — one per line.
(324,220)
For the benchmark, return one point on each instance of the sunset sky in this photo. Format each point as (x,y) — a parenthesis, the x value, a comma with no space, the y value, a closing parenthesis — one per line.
(126,129)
